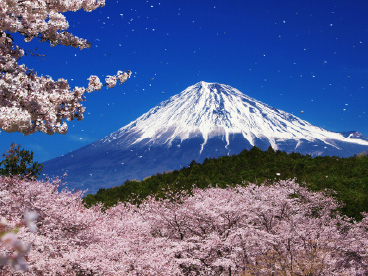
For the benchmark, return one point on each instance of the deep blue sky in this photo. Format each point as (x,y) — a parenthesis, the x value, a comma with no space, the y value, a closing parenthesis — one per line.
(305,55)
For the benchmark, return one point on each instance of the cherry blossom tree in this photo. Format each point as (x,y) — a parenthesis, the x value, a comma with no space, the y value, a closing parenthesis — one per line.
(280,229)
(74,240)
(31,103)
(10,240)
(28,102)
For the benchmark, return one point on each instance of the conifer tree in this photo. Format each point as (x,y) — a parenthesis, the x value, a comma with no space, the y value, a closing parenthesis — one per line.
(20,163)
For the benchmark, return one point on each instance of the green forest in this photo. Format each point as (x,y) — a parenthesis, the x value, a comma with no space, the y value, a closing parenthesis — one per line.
(348,177)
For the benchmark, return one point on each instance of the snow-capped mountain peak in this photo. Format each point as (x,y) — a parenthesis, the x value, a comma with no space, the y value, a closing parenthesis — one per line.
(206,120)
(211,109)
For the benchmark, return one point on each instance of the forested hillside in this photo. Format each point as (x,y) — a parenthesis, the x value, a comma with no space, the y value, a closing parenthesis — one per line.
(347,176)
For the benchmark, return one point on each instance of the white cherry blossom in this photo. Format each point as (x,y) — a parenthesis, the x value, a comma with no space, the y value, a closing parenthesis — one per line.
(29,102)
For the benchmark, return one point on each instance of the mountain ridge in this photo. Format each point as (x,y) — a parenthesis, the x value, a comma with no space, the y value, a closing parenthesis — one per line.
(213,117)
(205,120)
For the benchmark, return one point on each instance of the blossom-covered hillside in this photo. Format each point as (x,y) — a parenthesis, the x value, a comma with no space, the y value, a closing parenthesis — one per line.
(280,228)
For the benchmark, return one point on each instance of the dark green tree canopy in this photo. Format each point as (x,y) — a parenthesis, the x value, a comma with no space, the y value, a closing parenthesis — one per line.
(347,176)
(20,163)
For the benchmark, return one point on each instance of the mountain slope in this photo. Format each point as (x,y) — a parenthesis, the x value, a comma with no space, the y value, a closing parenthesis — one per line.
(209,110)
(205,120)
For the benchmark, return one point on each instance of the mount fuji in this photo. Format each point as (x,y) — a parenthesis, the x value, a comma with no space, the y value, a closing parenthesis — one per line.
(205,120)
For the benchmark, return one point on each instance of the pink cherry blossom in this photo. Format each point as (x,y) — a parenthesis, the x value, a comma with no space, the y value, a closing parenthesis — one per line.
(29,220)
(111,81)
(255,230)
(28,102)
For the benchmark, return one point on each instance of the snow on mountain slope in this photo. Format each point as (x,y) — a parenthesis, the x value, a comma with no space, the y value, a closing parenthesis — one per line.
(210,109)
(206,120)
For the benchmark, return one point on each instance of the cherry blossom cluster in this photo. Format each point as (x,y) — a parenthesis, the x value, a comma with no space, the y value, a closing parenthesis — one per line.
(13,244)
(28,102)
(280,229)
